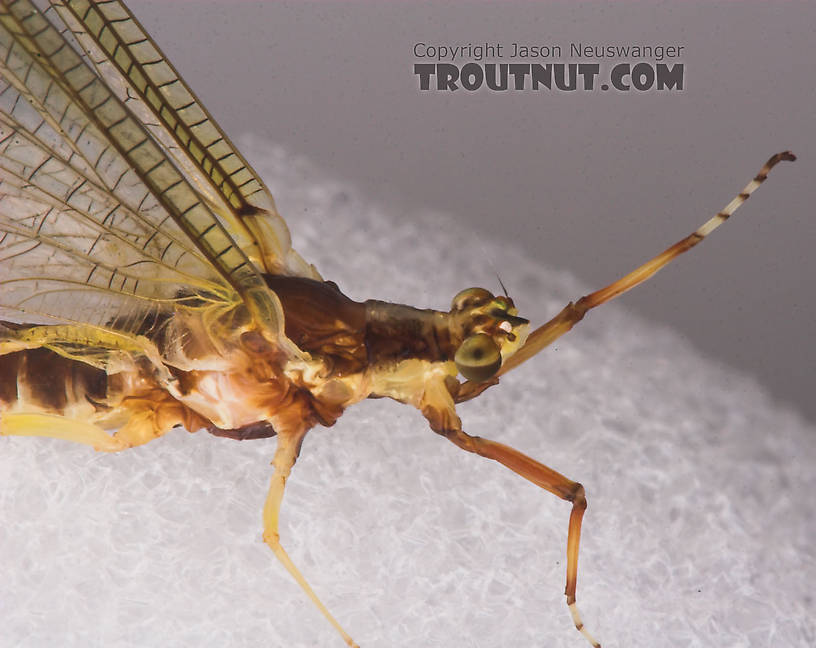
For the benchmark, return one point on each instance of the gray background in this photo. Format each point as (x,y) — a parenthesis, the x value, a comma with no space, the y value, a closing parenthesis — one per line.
(590,182)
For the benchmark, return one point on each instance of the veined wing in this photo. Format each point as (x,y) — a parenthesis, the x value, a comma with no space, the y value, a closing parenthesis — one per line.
(136,69)
(98,224)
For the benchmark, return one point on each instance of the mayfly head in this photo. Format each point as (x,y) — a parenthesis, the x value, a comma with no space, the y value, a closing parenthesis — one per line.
(489,330)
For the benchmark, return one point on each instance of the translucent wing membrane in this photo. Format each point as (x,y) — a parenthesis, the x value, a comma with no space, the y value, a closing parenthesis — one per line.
(106,221)
(135,68)
(66,241)
(116,41)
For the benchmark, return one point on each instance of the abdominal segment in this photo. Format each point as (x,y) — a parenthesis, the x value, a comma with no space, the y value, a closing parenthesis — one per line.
(38,385)
(40,380)
(37,382)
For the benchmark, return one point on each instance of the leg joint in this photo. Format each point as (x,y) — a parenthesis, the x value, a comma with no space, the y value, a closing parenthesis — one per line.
(577,495)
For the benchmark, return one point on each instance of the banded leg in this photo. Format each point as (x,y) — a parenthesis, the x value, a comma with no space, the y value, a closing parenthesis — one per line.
(574,313)
(285,457)
(549,480)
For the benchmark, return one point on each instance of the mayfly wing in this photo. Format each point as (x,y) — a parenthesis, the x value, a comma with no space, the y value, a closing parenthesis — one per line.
(99,224)
(126,56)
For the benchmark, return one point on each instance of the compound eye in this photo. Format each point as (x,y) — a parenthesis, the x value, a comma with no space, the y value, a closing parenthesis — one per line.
(478,358)
(470,297)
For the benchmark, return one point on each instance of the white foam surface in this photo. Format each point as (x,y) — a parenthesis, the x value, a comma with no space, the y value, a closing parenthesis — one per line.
(699,530)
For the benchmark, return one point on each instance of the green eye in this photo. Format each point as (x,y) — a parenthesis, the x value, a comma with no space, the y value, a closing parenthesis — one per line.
(478,358)
(470,297)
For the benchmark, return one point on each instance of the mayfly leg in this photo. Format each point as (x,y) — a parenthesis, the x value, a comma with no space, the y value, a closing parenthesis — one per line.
(285,457)
(550,480)
(150,422)
(645,271)
(59,427)
(574,312)
(45,394)
(544,335)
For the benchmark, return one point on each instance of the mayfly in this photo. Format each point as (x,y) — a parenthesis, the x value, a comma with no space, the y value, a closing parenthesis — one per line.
(148,282)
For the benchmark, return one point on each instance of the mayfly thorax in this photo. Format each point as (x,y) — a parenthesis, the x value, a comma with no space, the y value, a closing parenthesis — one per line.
(148,282)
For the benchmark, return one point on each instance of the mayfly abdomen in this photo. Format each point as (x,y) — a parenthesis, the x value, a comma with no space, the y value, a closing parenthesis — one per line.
(43,393)
(43,381)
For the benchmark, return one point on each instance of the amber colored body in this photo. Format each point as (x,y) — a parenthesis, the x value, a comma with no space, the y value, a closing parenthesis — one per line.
(131,224)
(347,338)
(243,387)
